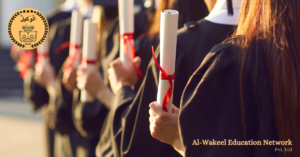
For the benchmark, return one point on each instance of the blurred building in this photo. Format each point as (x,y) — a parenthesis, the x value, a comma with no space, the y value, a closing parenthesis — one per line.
(10,82)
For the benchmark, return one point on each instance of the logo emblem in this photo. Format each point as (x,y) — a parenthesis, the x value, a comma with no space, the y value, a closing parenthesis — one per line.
(28,28)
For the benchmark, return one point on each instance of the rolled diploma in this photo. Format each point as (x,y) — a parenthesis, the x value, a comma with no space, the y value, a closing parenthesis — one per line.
(168,41)
(89,51)
(76,33)
(43,50)
(126,19)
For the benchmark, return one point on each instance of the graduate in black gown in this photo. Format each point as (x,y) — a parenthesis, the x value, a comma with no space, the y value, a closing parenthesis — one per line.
(130,121)
(246,90)
(89,116)
(135,121)
(36,94)
(45,87)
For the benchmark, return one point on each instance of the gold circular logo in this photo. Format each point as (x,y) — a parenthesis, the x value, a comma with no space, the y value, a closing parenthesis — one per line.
(28,28)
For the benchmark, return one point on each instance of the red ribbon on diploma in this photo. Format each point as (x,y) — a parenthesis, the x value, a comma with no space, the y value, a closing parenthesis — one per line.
(24,63)
(71,59)
(40,56)
(84,60)
(66,45)
(127,37)
(164,76)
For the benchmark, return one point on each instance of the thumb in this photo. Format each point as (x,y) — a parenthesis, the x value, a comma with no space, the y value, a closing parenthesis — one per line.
(175,110)
(137,61)
(155,108)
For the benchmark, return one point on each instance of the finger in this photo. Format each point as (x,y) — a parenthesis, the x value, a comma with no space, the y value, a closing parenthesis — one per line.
(80,85)
(110,71)
(152,113)
(156,108)
(80,79)
(137,61)
(79,72)
(114,62)
(151,128)
(79,67)
(175,110)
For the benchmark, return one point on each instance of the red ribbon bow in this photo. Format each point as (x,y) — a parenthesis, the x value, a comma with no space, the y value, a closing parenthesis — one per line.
(128,37)
(164,76)
(71,59)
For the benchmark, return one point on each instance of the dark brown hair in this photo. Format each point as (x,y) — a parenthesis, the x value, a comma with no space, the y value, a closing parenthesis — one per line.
(189,10)
(277,24)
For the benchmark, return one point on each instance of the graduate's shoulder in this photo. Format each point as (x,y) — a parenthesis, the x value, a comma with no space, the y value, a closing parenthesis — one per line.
(201,28)
(56,14)
(61,27)
(228,51)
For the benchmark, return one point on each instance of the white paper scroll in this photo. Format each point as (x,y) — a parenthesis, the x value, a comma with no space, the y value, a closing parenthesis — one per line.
(126,24)
(43,52)
(89,52)
(168,41)
(76,35)
(97,13)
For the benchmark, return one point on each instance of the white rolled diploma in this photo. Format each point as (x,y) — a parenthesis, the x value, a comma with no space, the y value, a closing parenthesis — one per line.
(126,24)
(43,51)
(89,52)
(168,41)
(76,34)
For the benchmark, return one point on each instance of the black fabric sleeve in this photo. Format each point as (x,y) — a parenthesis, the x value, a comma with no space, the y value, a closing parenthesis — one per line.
(60,108)
(211,110)
(89,117)
(120,103)
(111,131)
(34,93)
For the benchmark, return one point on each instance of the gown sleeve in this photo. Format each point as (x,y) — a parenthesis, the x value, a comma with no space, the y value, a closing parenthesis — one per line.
(59,115)
(34,93)
(89,117)
(211,110)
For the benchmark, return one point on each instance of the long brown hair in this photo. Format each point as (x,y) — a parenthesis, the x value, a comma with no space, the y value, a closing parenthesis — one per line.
(189,10)
(277,24)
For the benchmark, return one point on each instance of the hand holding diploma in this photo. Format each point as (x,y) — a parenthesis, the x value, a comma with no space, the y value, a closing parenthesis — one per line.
(75,48)
(89,53)
(168,40)
(43,53)
(126,18)
(120,76)
(45,75)
(69,79)
(44,71)
(164,126)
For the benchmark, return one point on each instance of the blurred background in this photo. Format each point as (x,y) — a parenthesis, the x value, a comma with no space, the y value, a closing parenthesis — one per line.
(20,127)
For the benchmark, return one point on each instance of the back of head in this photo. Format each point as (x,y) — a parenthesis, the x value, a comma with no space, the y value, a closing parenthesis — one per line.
(276,23)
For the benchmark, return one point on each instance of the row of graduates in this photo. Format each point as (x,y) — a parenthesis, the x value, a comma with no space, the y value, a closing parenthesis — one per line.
(219,93)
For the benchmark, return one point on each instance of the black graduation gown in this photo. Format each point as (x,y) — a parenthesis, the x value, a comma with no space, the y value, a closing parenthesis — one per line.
(37,95)
(57,14)
(58,34)
(89,117)
(211,108)
(129,134)
(143,50)
(58,114)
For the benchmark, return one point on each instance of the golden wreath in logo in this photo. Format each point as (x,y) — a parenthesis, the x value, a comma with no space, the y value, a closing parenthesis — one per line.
(28,28)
